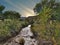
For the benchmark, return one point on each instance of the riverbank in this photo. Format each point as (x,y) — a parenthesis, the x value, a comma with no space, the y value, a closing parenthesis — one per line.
(25,34)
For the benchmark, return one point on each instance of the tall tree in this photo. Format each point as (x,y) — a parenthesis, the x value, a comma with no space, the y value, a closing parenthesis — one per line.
(49,3)
(1,8)
(11,14)
(1,14)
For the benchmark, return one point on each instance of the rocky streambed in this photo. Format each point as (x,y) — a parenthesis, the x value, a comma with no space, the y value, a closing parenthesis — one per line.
(25,37)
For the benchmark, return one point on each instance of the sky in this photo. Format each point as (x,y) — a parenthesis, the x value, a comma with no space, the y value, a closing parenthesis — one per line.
(24,7)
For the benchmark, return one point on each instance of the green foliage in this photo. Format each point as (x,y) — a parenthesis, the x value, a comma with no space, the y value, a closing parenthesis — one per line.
(58,13)
(48,3)
(1,8)
(9,25)
(45,14)
(11,15)
(1,13)
(47,24)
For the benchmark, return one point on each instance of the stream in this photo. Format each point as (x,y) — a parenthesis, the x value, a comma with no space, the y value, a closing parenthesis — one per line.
(26,34)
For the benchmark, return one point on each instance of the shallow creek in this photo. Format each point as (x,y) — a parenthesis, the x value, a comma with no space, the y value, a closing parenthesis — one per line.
(26,34)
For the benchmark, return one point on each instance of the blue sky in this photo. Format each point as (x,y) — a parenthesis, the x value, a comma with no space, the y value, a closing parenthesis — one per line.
(24,7)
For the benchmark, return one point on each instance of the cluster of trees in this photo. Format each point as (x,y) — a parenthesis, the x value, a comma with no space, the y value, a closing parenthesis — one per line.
(45,26)
(10,23)
(47,22)
(8,14)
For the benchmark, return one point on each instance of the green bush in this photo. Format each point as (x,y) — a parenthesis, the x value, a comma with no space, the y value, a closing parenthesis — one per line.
(9,27)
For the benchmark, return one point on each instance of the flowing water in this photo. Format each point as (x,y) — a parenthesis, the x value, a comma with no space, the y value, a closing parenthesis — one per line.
(26,34)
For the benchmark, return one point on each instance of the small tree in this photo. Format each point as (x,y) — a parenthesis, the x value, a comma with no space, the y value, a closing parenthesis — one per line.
(1,8)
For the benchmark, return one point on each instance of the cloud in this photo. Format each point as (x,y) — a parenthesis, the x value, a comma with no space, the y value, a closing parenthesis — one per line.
(26,9)
(21,8)
(11,3)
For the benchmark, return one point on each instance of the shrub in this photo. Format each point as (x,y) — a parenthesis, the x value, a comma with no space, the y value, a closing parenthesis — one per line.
(9,27)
